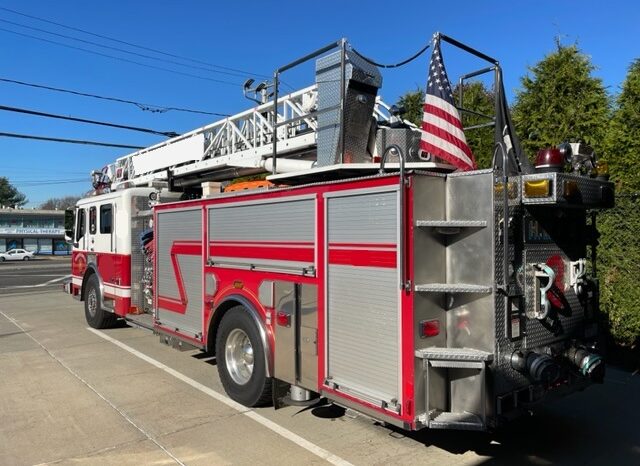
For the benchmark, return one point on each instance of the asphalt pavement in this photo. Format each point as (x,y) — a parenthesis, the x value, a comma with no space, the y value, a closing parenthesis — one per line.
(73,395)
(35,275)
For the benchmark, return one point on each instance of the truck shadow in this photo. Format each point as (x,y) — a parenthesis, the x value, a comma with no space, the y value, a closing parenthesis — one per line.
(597,426)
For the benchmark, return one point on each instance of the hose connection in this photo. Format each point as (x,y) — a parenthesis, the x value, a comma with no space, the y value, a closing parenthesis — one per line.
(541,368)
(590,365)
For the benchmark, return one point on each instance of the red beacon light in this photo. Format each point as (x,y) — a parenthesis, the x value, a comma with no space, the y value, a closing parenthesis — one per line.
(549,160)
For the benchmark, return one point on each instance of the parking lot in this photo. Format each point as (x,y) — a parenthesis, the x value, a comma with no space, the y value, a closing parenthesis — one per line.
(71,395)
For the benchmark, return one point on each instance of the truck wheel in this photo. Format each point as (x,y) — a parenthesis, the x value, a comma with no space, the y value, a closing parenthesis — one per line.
(241,359)
(93,312)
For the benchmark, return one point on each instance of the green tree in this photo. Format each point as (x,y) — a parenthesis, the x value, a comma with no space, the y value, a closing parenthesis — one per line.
(561,100)
(619,252)
(413,101)
(476,97)
(9,195)
(623,135)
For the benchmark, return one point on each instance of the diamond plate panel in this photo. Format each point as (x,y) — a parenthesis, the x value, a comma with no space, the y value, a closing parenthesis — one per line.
(591,192)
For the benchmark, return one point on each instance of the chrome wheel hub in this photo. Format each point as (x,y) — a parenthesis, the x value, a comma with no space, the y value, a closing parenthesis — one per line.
(239,356)
(92,302)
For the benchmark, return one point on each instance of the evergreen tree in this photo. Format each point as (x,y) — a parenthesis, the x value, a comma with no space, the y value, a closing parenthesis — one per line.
(561,100)
(9,195)
(619,252)
(623,135)
(413,102)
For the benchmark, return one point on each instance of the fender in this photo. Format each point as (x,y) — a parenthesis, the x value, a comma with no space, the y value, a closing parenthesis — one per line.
(92,269)
(268,354)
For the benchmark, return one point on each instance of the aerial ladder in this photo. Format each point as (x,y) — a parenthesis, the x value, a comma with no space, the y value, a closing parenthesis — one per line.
(319,128)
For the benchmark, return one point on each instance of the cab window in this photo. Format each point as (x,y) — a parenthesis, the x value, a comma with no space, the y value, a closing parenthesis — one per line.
(106,218)
(80,226)
(92,220)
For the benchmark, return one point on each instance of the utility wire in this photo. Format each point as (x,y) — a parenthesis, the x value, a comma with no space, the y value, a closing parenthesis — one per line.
(46,183)
(145,107)
(69,141)
(118,49)
(26,111)
(146,65)
(244,72)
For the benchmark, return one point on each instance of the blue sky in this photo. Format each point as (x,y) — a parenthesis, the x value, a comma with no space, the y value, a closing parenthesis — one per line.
(256,37)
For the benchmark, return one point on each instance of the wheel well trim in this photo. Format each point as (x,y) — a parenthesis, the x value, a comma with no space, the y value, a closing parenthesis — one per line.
(93,270)
(255,316)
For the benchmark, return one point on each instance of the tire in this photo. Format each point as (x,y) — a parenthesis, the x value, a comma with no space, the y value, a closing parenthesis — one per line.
(2,259)
(96,316)
(245,383)
(25,258)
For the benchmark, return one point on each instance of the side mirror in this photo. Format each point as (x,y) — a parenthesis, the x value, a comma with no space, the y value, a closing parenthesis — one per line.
(69,222)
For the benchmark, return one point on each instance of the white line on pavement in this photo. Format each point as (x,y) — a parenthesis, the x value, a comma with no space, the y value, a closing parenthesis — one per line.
(39,285)
(278,429)
(90,387)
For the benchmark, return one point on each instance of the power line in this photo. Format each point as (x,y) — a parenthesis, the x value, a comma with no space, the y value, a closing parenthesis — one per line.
(46,183)
(118,49)
(69,141)
(146,107)
(169,134)
(131,44)
(126,60)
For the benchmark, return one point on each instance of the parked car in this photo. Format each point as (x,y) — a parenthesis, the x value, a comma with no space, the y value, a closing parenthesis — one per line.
(16,255)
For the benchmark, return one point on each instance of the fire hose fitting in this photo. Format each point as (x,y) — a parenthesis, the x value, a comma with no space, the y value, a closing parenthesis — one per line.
(541,368)
(589,364)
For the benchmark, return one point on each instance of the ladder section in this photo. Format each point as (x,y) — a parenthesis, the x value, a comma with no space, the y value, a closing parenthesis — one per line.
(241,140)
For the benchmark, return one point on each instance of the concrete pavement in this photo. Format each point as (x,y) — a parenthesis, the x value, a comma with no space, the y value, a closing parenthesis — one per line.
(70,396)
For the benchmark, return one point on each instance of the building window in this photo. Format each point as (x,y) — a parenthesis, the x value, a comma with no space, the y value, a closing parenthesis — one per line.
(80,227)
(92,220)
(105,218)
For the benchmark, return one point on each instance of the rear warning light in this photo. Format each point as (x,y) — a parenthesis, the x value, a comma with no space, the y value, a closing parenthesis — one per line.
(537,188)
(283,319)
(429,328)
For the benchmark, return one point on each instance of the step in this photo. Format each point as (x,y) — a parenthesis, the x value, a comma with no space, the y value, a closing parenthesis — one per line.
(435,353)
(451,223)
(450,227)
(452,288)
(460,421)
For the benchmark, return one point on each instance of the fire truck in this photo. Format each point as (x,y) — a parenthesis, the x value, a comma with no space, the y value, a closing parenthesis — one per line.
(362,270)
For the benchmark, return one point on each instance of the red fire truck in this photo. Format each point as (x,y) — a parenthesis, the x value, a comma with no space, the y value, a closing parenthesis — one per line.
(365,271)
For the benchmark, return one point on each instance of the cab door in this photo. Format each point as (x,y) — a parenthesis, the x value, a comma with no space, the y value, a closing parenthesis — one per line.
(103,239)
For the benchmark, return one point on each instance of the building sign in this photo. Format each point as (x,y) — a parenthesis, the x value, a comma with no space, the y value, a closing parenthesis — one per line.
(31,231)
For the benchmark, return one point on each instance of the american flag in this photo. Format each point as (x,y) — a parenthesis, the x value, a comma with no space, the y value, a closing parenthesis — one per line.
(442,134)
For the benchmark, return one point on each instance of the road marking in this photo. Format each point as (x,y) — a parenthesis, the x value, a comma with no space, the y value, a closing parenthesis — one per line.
(278,429)
(39,285)
(92,388)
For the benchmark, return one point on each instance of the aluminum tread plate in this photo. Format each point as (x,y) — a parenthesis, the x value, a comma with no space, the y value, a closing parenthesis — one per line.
(452,223)
(454,354)
(452,288)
